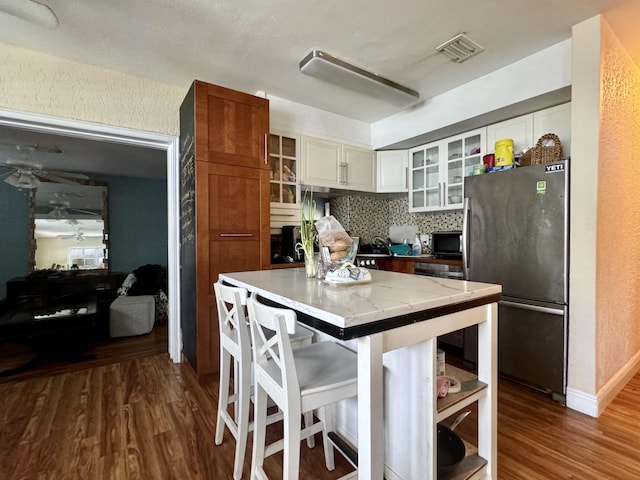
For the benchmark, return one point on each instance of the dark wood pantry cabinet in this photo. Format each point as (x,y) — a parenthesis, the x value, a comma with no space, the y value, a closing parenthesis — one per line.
(224,195)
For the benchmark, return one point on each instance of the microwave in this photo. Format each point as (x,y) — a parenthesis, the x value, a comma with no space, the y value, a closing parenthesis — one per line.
(447,244)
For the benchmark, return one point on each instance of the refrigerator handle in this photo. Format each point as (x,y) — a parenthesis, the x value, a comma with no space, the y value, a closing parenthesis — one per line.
(465,238)
(534,308)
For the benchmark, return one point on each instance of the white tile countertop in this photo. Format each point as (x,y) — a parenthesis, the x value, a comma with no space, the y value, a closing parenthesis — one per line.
(388,295)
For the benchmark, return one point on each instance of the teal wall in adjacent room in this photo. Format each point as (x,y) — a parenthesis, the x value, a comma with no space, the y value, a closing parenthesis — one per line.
(137,226)
(137,222)
(14,232)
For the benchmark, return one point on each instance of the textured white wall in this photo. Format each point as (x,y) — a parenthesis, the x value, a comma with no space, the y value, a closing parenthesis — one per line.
(618,228)
(37,83)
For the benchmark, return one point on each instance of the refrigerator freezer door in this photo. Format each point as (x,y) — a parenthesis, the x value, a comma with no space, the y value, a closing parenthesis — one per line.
(531,345)
(516,231)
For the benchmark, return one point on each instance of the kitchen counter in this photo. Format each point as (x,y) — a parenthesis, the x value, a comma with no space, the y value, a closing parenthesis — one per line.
(406,264)
(396,317)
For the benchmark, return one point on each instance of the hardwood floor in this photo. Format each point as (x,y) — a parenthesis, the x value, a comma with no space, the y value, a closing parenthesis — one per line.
(19,362)
(147,418)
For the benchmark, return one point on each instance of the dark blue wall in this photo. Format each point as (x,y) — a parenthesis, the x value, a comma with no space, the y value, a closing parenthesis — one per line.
(138,232)
(137,226)
(14,232)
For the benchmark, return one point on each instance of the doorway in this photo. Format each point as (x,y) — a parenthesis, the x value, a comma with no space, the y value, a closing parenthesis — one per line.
(104,133)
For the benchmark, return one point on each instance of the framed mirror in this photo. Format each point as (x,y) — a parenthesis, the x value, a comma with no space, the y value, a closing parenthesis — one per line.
(69,225)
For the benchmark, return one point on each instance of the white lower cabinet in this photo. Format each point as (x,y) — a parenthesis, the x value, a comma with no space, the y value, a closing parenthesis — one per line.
(335,165)
(392,174)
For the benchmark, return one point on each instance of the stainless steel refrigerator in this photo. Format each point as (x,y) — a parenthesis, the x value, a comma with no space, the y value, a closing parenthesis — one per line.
(515,233)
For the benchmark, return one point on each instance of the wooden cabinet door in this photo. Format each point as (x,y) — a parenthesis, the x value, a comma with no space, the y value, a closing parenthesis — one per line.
(231,127)
(225,207)
(232,223)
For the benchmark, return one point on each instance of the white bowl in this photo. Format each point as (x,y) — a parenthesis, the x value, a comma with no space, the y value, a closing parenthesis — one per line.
(455,199)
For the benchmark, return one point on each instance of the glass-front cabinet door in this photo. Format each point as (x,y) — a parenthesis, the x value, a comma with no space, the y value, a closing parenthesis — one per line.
(462,153)
(425,184)
(283,164)
(438,169)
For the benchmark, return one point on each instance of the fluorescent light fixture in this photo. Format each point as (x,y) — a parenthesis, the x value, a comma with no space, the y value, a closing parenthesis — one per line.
(326,67)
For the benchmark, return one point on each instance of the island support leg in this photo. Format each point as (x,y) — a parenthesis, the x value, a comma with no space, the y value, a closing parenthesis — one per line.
(370,408)
(488,405)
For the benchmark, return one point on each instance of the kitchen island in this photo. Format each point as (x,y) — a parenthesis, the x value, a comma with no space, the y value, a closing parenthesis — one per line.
(397,312)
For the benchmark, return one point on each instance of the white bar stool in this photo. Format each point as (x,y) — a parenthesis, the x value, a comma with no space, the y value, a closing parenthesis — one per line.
(235,343)
(299,381)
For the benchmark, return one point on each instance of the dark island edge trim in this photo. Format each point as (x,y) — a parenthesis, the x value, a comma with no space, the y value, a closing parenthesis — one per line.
(357,331)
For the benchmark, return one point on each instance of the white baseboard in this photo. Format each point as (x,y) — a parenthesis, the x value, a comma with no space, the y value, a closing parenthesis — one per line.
(594,405)
(582,402)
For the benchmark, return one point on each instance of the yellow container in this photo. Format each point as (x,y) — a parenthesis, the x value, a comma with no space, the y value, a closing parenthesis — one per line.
(504,152)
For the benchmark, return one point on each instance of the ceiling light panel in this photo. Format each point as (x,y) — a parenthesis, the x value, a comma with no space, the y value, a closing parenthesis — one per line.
(329,68)
(460,48)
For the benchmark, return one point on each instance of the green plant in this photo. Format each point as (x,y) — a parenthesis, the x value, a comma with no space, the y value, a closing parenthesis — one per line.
(307,225)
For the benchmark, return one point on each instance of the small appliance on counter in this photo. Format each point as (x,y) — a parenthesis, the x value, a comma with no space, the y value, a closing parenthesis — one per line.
(283,246)
(447,244)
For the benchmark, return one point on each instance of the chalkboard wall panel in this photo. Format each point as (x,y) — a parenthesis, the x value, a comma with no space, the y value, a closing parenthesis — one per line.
(187,227)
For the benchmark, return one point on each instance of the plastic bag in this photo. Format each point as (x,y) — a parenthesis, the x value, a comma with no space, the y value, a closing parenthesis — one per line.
(330,231)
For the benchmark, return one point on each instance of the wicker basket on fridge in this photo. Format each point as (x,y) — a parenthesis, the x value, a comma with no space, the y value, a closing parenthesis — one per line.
(548,149)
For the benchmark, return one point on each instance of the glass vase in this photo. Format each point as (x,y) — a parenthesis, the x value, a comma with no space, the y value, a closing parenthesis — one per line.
(310,265)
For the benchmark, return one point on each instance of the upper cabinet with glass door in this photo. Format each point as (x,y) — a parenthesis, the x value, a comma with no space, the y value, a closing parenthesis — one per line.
(283,165)
(425,183)
(462,153)
(436,181)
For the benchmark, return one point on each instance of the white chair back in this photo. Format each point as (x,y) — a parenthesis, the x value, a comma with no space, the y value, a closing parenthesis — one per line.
(232,320)
(272,352)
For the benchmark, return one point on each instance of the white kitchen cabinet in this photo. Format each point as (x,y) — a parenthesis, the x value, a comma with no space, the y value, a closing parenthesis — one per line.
(392,172)
(554,120)
(525,130)
(359,168)
(336,165)
(437,171)
(321,161)
(519,129)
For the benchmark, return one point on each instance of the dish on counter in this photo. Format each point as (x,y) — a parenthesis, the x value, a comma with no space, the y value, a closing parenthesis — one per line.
(455,198)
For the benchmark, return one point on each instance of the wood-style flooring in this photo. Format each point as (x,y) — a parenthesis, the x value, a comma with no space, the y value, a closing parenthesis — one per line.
(147,418)
(19,362)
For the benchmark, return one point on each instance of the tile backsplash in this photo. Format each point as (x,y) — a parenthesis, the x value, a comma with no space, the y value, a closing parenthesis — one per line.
(368,216)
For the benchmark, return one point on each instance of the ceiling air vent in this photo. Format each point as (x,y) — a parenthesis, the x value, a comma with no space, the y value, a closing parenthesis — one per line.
(460,48)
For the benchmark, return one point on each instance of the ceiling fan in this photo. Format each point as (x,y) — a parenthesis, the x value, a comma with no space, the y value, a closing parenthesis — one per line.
(63,209)
(39,148)
(78,235)
(27,174)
